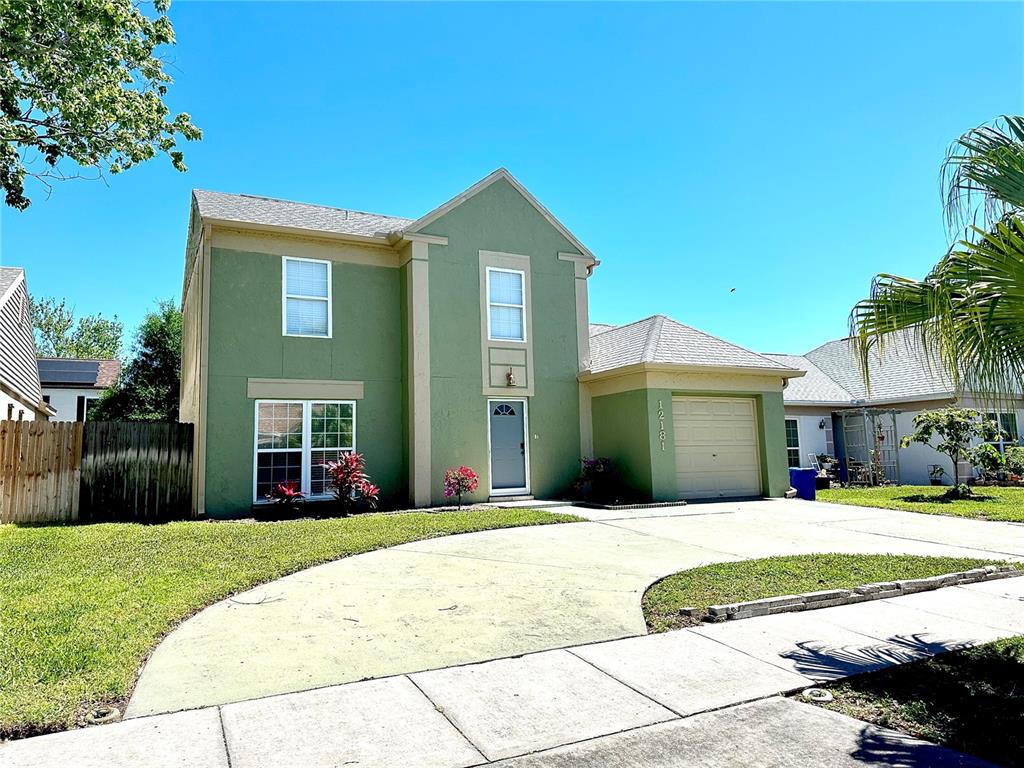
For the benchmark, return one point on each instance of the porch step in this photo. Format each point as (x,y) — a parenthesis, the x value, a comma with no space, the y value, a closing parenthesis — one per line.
(498,499)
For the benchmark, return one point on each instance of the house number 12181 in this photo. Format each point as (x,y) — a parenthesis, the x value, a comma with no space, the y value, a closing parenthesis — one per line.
(661,423)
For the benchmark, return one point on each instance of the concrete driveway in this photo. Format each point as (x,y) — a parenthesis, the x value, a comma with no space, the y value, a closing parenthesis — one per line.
(497,594)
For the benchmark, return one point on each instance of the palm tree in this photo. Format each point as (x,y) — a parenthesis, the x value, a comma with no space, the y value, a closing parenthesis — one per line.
(970,308)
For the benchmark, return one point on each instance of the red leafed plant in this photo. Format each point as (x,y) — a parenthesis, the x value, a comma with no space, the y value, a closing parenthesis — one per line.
(350,483)
(286,494)
(460,481)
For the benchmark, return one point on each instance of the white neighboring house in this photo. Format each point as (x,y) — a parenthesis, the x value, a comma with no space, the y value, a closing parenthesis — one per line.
(70,385)
(20,396)
(904,378)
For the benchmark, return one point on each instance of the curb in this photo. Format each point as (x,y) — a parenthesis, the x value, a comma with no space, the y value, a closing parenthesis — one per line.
(879,591)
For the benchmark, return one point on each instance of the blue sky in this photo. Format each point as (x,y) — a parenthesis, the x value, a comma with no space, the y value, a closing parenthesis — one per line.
(789,151)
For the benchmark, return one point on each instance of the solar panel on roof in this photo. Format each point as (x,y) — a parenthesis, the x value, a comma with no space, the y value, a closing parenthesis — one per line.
(68,371)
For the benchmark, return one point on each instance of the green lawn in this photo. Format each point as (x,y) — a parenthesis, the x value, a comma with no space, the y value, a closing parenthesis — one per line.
(774,576)
(1005,504)
(81,606)
(971,700)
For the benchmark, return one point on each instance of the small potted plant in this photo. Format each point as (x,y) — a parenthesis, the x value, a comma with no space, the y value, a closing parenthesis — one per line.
(458,482)
(935,474)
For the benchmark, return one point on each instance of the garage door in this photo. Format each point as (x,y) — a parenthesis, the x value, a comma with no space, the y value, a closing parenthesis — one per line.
(716,447)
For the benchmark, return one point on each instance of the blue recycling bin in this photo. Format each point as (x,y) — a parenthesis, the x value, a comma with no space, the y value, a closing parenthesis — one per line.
(803,481)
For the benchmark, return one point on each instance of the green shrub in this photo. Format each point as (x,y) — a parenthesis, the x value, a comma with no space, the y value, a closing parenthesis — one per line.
(1015,460)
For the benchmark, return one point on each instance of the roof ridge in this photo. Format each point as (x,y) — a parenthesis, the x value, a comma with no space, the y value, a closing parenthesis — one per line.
(627,325)
(719,338)
(300,202)
(83,359)
(650,352)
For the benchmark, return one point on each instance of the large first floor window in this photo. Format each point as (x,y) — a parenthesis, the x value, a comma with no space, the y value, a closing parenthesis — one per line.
(294,438)
(792,442)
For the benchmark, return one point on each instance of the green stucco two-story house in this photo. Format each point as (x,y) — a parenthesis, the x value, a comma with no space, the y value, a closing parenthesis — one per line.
(461,337)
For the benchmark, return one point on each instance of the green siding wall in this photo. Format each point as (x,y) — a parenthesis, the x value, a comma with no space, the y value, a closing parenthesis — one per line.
(499,219)
(627,426)
(246,341)
(622,433)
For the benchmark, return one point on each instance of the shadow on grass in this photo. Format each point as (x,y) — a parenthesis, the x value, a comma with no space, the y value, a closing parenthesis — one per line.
(970,700)
(823,662)
(924,498)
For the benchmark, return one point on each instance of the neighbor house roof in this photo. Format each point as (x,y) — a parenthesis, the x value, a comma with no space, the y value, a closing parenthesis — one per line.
(251,209)
(77,373)
(8,277)
(816,387)
(596,328)
(661,340)
(904,370)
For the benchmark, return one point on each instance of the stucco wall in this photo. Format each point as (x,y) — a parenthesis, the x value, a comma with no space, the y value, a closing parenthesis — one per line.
(627,426)
(622,434)
(499,219)
(246,341)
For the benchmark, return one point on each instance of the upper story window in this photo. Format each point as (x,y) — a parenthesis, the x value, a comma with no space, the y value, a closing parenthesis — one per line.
(506,304)
(307,298)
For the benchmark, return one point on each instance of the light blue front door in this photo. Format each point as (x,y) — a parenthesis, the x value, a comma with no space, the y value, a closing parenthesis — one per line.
(508,446)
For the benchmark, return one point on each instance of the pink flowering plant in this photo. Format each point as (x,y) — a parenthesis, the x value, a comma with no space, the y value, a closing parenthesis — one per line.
(286,495)
(460,481)
(350,483)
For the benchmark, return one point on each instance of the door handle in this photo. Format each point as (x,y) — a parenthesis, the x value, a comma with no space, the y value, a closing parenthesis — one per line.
(522,448)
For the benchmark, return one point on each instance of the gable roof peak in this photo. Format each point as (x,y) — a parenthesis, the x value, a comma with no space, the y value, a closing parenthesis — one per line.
(480,186)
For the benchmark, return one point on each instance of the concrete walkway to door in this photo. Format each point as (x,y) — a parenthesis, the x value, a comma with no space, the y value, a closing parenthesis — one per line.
(496,594)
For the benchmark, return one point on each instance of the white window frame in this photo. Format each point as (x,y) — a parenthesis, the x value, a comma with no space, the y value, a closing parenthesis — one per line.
(798,441)
(307,442)
(285,296)
(525,490)
(520,307)
(1001,444)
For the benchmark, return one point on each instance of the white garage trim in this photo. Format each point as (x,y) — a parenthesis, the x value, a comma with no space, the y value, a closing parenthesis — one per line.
(717,447)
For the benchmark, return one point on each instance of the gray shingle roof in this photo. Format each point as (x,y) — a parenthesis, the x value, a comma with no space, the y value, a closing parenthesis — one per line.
(815,387)
(250,209)
(905,370)
(7,277)
(596,328)
(661,339)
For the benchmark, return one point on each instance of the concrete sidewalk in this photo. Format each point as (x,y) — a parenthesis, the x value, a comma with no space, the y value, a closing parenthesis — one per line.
(493,594)
(706,696)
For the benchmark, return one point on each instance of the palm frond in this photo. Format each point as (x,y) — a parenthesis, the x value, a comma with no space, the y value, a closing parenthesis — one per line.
(983,174)
(968,311)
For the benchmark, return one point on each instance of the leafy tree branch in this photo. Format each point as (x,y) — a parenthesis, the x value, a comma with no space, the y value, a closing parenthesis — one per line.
(80,81)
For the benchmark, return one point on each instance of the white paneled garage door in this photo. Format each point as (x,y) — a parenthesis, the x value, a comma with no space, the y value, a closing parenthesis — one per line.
(716,447)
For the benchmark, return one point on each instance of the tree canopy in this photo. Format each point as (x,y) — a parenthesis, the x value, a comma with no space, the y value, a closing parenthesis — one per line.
(81,80)
(58,334)
(969,310)
(149,384)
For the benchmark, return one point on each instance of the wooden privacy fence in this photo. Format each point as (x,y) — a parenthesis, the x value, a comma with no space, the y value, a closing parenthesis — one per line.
(96,471)
(40,465)
(136,471)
